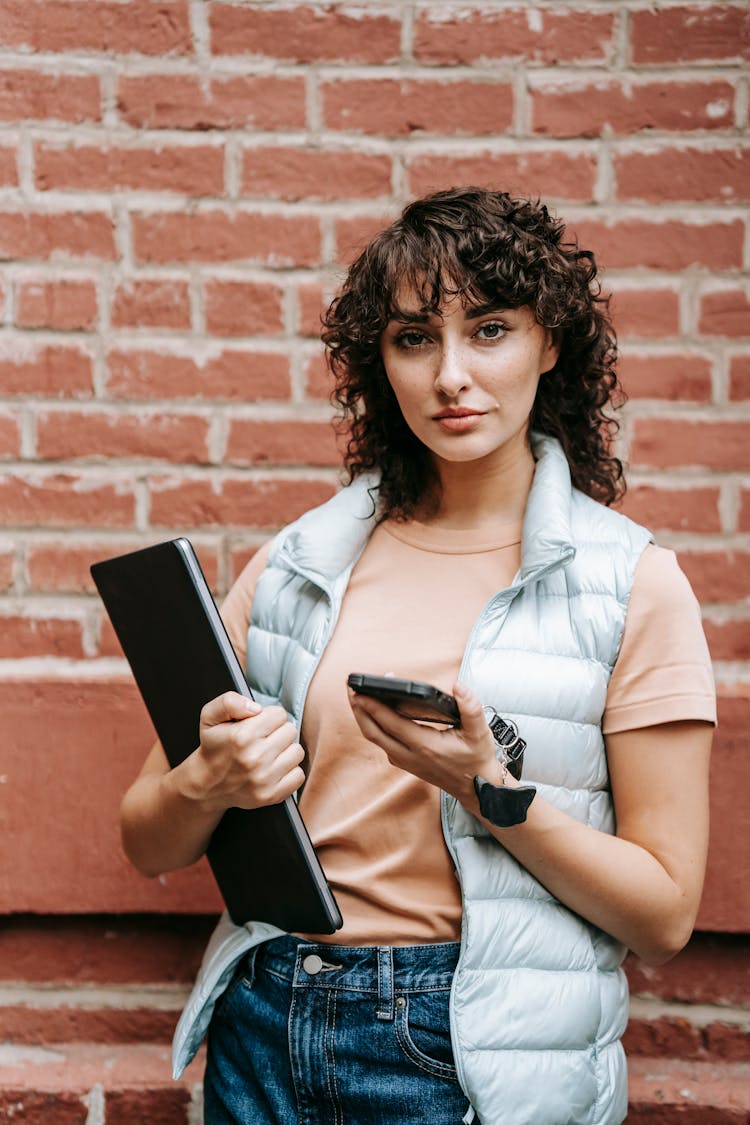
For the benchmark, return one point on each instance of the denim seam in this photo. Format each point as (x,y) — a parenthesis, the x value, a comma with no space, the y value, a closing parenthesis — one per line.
(330,1060)
(290,1047)
(414,1055)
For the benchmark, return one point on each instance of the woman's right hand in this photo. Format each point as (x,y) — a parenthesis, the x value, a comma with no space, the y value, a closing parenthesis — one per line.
(249,756)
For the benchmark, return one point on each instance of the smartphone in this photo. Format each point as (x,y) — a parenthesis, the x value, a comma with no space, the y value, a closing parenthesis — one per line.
(410,698)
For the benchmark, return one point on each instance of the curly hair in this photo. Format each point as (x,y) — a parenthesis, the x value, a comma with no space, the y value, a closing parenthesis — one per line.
(483,246)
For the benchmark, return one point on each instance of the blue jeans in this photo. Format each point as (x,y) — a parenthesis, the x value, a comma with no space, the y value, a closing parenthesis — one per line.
(335,1035)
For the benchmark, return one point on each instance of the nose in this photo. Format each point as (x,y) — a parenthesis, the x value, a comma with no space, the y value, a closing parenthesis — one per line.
(452,375)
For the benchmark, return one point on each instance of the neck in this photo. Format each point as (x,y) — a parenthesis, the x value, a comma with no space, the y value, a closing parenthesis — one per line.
(478,494)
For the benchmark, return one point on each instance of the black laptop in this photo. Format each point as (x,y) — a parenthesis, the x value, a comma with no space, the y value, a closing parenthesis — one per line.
(181,657)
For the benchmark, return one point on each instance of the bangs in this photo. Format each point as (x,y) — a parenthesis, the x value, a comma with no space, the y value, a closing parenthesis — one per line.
(433,270)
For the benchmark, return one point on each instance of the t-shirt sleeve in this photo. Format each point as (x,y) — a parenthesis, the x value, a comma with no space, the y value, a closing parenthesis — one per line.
(663,672)
(237,606)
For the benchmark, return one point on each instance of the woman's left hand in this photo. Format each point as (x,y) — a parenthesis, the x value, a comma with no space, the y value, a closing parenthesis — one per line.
(449,758)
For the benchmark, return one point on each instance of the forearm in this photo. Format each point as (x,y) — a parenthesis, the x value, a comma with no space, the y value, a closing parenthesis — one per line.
(162,827)
(613,883)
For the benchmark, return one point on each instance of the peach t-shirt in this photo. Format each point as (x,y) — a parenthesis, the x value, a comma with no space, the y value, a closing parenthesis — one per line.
(413,597)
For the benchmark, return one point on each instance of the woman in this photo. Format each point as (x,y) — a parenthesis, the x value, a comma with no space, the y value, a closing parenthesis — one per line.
(477,974)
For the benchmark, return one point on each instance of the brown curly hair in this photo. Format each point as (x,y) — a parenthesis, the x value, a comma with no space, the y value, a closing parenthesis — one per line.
(483,246)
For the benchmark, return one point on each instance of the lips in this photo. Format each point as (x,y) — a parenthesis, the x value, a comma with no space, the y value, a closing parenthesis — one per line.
(458,419)
(457,412)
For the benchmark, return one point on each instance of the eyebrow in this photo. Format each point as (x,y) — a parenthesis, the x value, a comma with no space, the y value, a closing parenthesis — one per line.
(472,312)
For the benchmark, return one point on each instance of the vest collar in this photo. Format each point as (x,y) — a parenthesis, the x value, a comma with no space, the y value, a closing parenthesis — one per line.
(326,542)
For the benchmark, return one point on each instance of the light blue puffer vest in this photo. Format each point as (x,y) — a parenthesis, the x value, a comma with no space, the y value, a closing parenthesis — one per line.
(539,1001)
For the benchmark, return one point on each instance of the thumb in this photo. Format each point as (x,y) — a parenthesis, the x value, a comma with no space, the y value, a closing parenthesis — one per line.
(227,708)
(473,721)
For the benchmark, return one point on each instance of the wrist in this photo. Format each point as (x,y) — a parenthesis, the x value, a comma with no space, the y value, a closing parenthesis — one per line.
(189,785)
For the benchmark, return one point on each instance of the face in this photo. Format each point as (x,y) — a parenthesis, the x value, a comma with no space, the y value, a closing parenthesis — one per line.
(466,380)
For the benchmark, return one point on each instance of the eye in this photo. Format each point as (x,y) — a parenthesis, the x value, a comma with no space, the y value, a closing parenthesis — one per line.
(492,330)
(411,338)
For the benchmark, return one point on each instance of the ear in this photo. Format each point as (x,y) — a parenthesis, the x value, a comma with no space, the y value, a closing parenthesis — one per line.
(552,349)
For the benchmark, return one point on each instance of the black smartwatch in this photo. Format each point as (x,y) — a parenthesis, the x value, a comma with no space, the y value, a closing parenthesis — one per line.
(502,805)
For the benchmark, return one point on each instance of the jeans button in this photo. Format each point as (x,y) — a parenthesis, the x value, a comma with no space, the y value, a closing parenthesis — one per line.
(312,964)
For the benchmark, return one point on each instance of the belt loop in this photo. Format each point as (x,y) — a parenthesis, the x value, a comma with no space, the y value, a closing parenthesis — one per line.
(385,983)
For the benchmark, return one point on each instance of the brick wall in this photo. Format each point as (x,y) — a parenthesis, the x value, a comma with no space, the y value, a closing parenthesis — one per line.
(181,183)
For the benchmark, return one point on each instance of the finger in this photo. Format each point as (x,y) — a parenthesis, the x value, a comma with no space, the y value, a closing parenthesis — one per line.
(386,719)
(228,707)
(473,720)
(394,744)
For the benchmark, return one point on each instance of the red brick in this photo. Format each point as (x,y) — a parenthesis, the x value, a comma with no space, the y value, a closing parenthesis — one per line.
(675,377)
(10,436)
(52,370)
(36,1108)
(69,234)
(258,442)
(668,245)
(305,34)
(689,33)
(243,308)
(537,35)
(66,304)
(159,303)
(591,109)
(673,1092)
(646,312)
(22,637)
(165,1106)
(192,169)
(711,969)
(294,174)
(743,519)
(65,500)
(312,300)
(397,108)
(233,502)
(353,233)
(134,1078)
(231,374)
(111,950)
(33,95)
(552,175)
(725,313)
(7,565)
(669,442)
(726,1041)
(138,27)
(221,236)
(728,640)
(739,377)
(318,379)
(29,1024)
(717,576)
(8,166)
(66,434)
(690,509)
(59,567)
(663,1037)
(63,567)
(720,175)
(182,101)
(239,557)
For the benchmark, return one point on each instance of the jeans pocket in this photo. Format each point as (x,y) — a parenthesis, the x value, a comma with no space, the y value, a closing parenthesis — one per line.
(423,1031)
(243,977)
